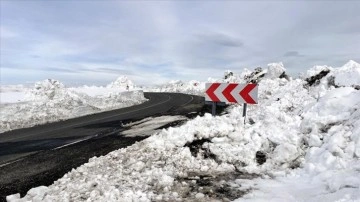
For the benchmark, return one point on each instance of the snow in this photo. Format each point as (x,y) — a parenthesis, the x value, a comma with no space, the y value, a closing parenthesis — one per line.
(297,188)
(122,82)
(11,97)
(12,88)
(275,70)
(94,91)
(317,69)
(348,75)
(12,93)
(150,125)
(192,87)
(50,101)
(307,135)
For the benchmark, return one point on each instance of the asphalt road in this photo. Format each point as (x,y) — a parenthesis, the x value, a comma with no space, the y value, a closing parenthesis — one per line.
(19,143)
(39,155)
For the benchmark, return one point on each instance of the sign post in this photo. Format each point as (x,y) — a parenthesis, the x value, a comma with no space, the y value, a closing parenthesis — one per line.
(231,93)
(213,108)
(244,112)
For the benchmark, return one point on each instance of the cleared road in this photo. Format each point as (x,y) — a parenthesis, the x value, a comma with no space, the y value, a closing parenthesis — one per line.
(19,143)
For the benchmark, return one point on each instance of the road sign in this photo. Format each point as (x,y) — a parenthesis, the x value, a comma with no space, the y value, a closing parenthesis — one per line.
(231,92)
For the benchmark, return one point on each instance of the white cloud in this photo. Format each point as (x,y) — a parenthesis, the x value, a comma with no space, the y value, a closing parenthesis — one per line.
(7,33)
(193,39)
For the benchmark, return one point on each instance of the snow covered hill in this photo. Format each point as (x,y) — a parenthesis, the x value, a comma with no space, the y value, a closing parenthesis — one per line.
(50,101)
(300,143)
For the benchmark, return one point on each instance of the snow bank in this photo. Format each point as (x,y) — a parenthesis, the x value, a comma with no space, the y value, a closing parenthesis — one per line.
(300,143)
(122,82)
(274,70)
(348,75)
(51,101)
(192,87)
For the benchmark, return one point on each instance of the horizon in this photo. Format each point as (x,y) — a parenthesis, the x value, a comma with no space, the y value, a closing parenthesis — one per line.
(78,84)
(154,42)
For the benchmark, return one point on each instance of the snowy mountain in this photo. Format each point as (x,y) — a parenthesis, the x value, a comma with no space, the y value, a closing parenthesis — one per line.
(300,143)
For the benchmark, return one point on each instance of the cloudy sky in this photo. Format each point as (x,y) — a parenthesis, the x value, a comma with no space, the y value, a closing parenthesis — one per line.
(94,42)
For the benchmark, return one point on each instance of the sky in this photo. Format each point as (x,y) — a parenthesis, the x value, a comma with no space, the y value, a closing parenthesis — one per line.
(152,42)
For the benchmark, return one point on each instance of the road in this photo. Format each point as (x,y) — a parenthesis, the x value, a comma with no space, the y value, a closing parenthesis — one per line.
(41,154)
(21,142)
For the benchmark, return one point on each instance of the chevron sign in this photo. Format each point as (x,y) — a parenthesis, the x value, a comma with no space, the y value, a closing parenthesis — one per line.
(231,92)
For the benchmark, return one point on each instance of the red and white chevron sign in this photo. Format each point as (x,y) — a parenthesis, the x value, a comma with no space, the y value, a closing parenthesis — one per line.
(231,92)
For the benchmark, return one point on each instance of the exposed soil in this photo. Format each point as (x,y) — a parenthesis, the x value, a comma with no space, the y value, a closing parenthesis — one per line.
(220,187)
(215,187)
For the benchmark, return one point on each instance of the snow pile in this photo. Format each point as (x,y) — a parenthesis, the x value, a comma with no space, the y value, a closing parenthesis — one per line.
(122,82)
(51,101)
(301,142)
(95,91)
(322,78)
(192,87)
(47,89)
(348,75)
(330,166)
(274,70)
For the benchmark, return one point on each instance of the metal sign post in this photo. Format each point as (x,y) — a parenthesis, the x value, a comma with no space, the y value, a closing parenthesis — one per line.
(244,112)
(214,108)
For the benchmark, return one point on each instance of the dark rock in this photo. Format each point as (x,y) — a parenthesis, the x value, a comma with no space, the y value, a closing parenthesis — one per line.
(315,80)
(228,74)
(327,127)
(260,157)
(331,82)
(285,76)
(251,121)
(255,76)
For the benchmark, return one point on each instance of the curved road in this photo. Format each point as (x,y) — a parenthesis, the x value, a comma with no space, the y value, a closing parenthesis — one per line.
(21,142)
(40,155)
